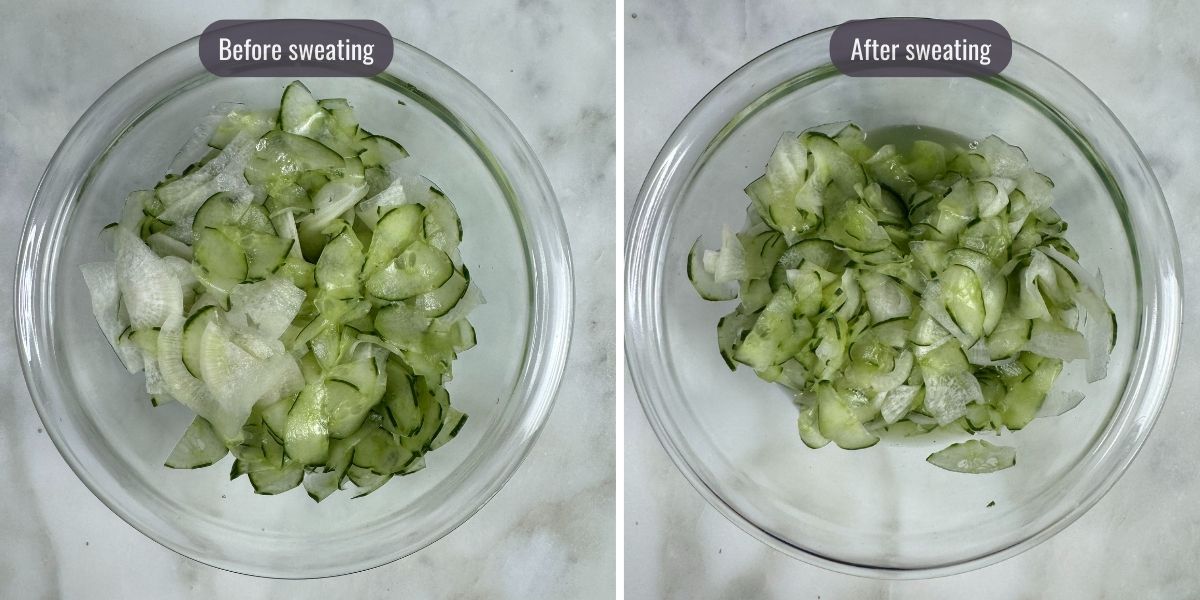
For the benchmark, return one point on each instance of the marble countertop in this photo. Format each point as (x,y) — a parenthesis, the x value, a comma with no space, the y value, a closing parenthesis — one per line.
(548,65)
(1142,539)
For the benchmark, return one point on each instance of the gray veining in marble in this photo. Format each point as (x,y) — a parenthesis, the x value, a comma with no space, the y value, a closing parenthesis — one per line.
(550,532)
(1142,539)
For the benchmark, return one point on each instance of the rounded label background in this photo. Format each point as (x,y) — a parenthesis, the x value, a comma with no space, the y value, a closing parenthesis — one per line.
(372,41)
(904,33)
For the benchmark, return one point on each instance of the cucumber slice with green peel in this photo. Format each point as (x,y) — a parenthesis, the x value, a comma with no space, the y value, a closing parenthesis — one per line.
(269,480)
(199,447)
(762,252)
(380,150)
(419,269)
(810,431)
(433,403)
(440,301)
(393,233)
(336,198)
(729,263)
(400,402)
(974,456)
(855,226)
(463,336)
(754,295)
(366,480)
(703,280)
(1027,393)
(962,296)
(280,154)
(347,406)
(275,417)
(454,422)
(342,114)
(193,334)
(1011,335)
(347,413)
(772,339)
(926,161)
(223,209)
(821,253)
(836,421)
(382,453)
(300,272)
(442,226)
(299,112)
(241,119)
(265,254)
(320,483)
(340,263)
(307,433)
(330,121)
(222,258)
(402,325)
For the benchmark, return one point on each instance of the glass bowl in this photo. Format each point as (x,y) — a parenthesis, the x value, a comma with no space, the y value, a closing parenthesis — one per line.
(884,511)
(100,417)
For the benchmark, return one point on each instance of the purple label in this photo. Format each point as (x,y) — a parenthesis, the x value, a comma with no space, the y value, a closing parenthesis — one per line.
(908,47)
(296,48)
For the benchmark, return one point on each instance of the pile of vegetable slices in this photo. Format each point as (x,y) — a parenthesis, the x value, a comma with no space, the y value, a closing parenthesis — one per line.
(906,292)
(297,292)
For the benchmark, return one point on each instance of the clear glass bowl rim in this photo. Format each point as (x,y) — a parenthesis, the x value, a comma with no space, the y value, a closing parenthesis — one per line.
(541,226)
(1157,259)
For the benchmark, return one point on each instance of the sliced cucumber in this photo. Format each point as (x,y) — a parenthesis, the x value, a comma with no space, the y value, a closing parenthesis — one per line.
(340,263)
(222,258)
(193,334)
(380,150)
(298,293)
(433,403)
(299,112)
(419,269)
(348,412)
(200,446)
(810,431)
(440,301)
(382,453)
(897,291)
(307,431)
(321,483)
(703,280)
(836,422)
(239,120)
(269,480)
(400,401)
(397,229)
(280,155)
(366,480)
(974,456)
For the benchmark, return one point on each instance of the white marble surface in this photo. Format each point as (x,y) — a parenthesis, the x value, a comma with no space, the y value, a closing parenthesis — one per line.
(549,65)
(1142,539)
